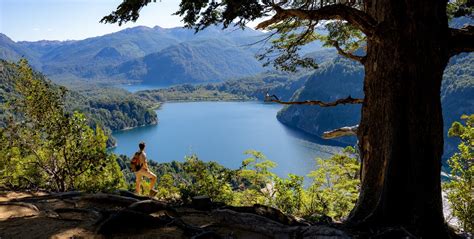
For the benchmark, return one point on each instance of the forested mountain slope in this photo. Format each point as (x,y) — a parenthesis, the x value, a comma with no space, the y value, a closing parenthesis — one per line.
(341,78)
(112,109)
(191,62)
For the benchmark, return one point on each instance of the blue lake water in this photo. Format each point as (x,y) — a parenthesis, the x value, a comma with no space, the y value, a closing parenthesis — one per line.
(138,87)
(221,132)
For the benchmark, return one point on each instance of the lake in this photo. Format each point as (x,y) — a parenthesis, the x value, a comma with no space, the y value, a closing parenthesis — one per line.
(221,132)
(139,87)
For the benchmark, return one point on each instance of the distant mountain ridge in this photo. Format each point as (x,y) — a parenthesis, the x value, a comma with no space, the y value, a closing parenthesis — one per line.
(98,57)
(195,61)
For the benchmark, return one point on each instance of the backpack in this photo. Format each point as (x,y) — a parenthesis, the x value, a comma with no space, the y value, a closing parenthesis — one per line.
(135,164)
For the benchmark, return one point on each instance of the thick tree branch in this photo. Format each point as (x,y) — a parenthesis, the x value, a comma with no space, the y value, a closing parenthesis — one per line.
(358,18)
(344,131)
(461,40)
(348,100)
(360,59)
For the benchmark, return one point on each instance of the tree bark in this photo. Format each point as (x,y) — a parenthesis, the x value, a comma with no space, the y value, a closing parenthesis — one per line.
(401,129)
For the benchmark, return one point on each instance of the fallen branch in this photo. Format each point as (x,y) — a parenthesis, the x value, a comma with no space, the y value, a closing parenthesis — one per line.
(348,100)
(344,131)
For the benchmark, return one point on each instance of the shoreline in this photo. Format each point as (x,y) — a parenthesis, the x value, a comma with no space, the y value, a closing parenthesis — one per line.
(134,127)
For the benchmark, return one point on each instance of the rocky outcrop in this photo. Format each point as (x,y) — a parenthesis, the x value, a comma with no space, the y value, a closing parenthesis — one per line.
(123,214)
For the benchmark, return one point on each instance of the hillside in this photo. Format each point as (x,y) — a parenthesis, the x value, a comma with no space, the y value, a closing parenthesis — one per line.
(112,109)
(252,87)
(342,78)
(333,80)
(191,62)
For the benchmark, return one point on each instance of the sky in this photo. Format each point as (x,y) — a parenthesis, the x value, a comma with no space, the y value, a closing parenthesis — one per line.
(32,20)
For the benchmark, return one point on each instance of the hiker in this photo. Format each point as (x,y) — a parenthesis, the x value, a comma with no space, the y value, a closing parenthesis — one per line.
(144,170)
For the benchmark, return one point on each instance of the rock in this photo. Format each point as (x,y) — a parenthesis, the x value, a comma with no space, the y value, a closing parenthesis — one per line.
(151,206)
(202,203)
(393,232)
(17,209)
(270,213)
(110,215)
(131,221)
(254,223)
(77,214)
(109,199)
(207,235)
(321,218)
(324,232)
(69,194)
(130,195)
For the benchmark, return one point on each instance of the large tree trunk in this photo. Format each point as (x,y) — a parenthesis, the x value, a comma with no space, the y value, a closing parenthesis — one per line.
(401,130)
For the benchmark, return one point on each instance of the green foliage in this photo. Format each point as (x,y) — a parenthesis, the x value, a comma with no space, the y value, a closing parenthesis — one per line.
(49,147)
(343,35)
(289,194)
(333,191)
(258,186)
(166,188)
(460,8)
(187,179)
(460,187)
(209,179)
(335,186)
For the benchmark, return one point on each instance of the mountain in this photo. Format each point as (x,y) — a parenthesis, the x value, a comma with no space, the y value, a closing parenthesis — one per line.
(10,50)
(341,78)
(95,58)
(191,62)
(333,80)
(457,94)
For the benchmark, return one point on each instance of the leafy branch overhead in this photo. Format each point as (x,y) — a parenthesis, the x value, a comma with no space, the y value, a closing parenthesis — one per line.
(292,24)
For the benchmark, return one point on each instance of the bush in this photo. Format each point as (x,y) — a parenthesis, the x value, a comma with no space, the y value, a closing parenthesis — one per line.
(335,186)
(460,188)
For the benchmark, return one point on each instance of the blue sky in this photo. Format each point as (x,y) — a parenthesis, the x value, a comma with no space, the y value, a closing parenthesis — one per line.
(32,20)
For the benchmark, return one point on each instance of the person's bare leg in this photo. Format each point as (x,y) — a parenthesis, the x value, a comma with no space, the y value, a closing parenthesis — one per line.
(152,182)
(137,184)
